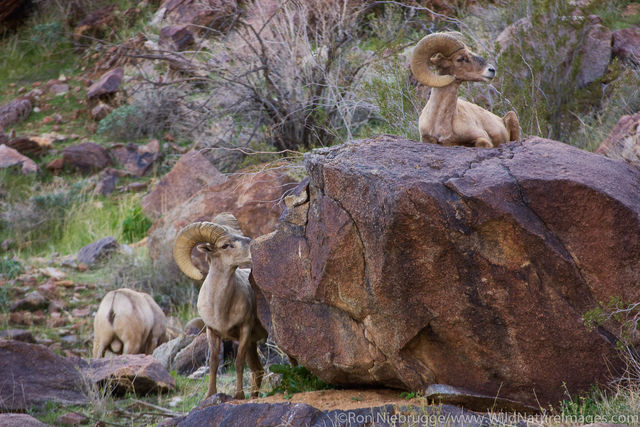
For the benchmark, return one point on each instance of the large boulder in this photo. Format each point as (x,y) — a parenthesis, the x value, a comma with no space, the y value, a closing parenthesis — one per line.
(624,140)
(86,157)
(138,373)
(10,157)
(187,177)
(407,264)
(626,44)
(32,375)
(252,197)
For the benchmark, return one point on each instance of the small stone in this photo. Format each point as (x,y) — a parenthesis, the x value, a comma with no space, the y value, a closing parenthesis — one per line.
(81,312)
(32,301)
(72,419)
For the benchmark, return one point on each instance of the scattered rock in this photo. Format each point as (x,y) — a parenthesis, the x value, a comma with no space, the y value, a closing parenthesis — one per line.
(18,335)
(10,157)
(176,38)
(107,85)
(215,14)
(194,355)
(81,312)
(59,88)
(420,264)
(32,301)
(55,165)
(72,419)
(189,175)
(97,250)
(195,326)
(100,111)
(595,52)
(86,157)
(138,373)
(40,375)
(15,111)
(166,352)
(54,273)
(107,181)
(626,44)
(257,210)
(19,420)
(97,25)
(137,159)
(624,140)
(29,146)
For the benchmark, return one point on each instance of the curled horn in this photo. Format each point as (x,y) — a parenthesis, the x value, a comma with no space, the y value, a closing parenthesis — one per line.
(188,238)
(445,43)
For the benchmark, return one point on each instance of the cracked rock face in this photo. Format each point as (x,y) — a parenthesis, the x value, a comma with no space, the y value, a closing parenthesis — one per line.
(406,264)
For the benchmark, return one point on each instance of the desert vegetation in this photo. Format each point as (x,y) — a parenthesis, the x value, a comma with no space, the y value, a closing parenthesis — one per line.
(252,88)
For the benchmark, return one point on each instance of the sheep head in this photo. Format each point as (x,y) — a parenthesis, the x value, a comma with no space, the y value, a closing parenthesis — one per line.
(220,239)
(452,59)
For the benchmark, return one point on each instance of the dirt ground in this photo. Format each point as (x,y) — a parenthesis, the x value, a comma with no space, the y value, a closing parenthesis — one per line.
(343,399)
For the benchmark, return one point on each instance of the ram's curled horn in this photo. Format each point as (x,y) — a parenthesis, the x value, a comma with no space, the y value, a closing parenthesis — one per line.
(227,218)
(445,43)
(188,238)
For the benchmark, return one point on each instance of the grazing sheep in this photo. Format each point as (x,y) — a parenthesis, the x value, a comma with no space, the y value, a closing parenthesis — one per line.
(226,301)
(128,322)
(447,120)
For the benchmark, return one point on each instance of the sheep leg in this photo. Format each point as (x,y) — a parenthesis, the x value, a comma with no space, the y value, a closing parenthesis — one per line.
(98,349)
(482,143)
(257,372)
(214,355)
(243,346)
(513,126)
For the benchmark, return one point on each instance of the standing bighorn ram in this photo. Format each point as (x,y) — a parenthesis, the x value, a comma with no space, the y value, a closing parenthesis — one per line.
(128,322)
(447,120)
(226,301)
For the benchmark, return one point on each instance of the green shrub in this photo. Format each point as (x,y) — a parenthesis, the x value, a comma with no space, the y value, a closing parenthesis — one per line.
(10,268)
(135,225)
(296,379)
(121,122)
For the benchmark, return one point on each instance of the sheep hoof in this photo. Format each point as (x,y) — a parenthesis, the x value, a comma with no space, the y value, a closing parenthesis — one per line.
(239,395)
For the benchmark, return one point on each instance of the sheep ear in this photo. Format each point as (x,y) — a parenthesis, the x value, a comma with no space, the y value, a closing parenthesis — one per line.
(205,248)
(437,58)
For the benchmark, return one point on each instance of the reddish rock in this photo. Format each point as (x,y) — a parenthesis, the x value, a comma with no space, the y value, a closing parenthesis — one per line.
(413,264)
(55,165)
(15,111)
(138,373)
(107,85)
(40,375)
(176,37)
(86,157)
(624,140)
(19,420)
(252,197)
(189,175)
(626,44)
(100,111)
(10,157)
(27,146)
(137,159)
(59,88)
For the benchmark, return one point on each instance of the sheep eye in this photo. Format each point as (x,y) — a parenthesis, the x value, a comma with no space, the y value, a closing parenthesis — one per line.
(225,246)
(461,59)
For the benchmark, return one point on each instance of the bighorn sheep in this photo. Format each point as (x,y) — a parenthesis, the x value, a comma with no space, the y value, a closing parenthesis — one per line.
(226,301)
(128,322)
(447,120)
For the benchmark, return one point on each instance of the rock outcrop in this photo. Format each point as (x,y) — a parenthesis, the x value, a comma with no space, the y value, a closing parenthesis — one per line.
(624,140)
(407,264)
(32,375)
